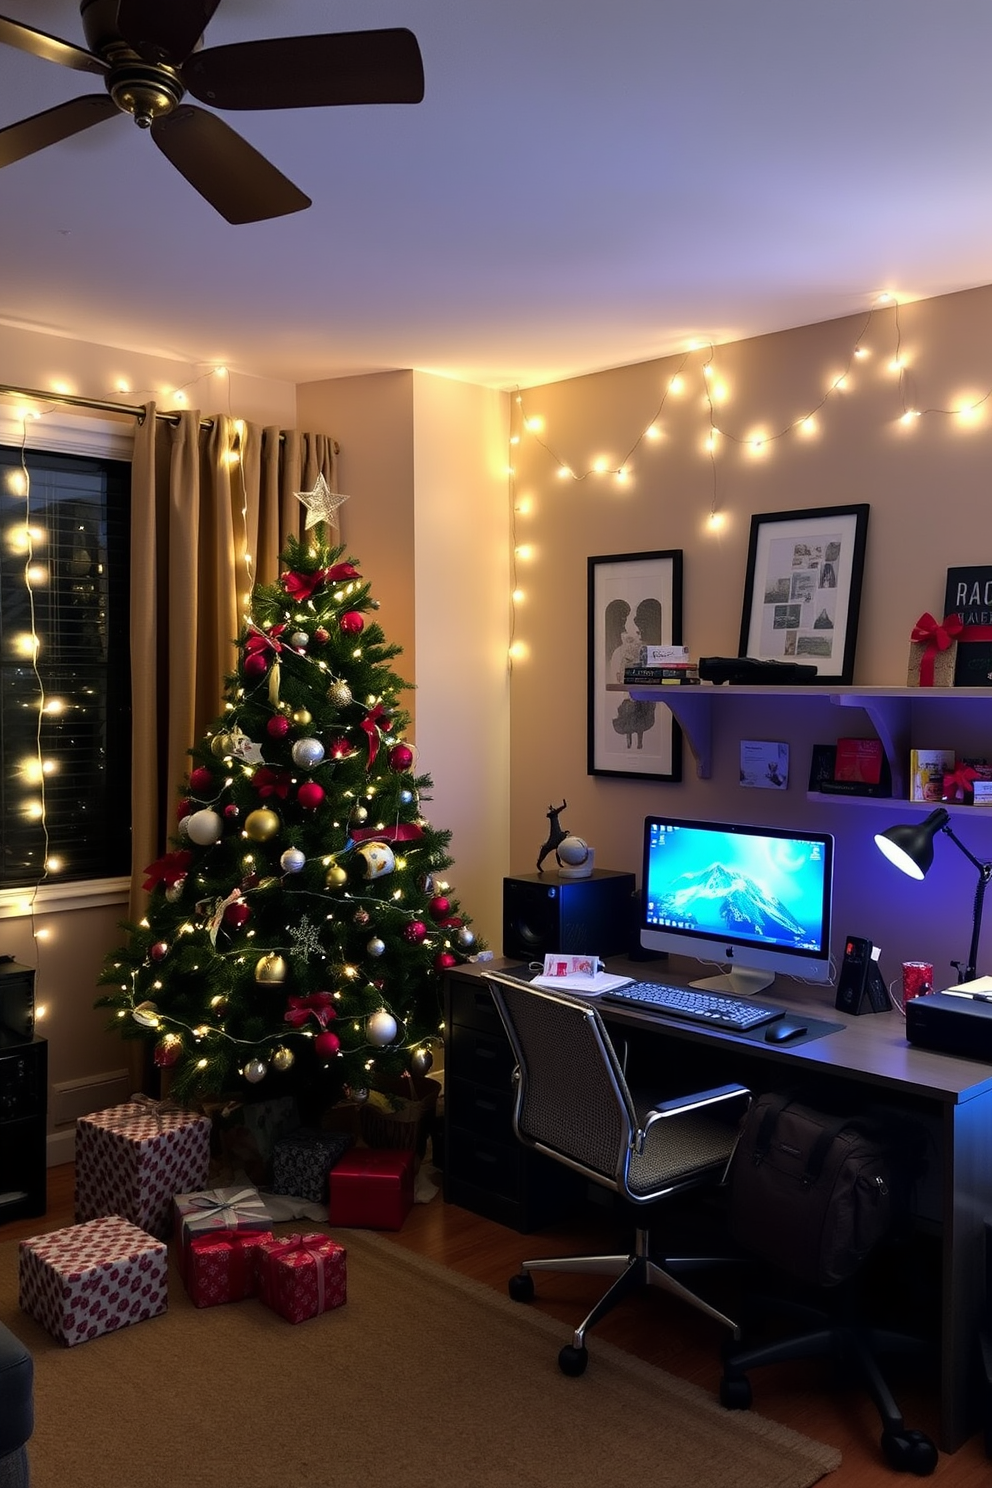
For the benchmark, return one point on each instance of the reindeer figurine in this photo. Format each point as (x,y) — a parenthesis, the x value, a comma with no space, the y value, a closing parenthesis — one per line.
(556,836)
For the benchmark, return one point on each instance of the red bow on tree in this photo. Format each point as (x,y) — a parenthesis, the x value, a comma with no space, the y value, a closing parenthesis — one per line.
(399,832)
(264,640)
(375,719)
(319,1004)
(272,781)
(168,870)
(304,586)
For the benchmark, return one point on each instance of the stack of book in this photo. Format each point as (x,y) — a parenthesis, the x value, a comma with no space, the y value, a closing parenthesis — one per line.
(661,666)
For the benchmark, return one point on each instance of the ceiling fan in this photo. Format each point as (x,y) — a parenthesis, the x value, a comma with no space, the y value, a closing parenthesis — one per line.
(148,55)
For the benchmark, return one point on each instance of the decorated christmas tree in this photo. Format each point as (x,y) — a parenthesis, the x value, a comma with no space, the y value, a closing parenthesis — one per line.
(298,930)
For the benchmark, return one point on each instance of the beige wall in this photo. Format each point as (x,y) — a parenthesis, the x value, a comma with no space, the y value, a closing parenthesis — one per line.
(927,486)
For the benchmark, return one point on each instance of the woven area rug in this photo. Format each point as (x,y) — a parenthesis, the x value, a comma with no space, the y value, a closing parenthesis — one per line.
(422,1380)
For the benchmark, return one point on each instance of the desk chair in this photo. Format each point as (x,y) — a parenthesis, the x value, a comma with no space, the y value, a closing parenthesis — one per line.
(572,1103)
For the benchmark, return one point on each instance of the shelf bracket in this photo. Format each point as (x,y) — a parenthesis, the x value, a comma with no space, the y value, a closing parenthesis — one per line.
(692,710)
(890,717)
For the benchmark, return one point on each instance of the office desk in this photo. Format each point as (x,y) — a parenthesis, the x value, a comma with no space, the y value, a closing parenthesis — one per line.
(867,1061)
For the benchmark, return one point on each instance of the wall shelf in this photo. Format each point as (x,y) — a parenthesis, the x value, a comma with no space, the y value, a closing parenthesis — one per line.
(890,710)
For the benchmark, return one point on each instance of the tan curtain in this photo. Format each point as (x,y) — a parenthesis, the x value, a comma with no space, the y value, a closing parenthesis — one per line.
(195,511)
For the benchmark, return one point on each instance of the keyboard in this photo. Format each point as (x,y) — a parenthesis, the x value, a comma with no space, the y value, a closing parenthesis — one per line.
(715,1009)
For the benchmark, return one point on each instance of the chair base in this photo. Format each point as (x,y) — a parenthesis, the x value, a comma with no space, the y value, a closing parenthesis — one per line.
(632,1271)
(856,1350)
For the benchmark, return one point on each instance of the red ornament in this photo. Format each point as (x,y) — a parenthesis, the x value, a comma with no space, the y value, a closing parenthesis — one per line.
(277,726)
(183,809)
(158,951)
(168,1051)
(232,812)
(200,780)
(237,914)
(400,758)
(453,922)
(321,636)
(256,666)
(439,907)
(352,623)
(326,1045)
(414,932)
(310,795)
(445,961)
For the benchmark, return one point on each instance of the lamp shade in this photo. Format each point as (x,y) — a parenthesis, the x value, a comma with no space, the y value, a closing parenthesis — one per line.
(910,846)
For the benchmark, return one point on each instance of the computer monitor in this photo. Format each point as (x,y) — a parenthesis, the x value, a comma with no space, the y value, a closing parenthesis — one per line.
(757,898)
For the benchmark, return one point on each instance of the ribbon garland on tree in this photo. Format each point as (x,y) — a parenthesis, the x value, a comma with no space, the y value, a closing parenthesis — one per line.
(375,719)
(302,586)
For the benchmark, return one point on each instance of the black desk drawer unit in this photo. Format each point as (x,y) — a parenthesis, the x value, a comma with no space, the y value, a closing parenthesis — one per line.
(486,1169)
(23,1106)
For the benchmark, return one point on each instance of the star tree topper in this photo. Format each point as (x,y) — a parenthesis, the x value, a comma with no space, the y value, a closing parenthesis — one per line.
(321,503)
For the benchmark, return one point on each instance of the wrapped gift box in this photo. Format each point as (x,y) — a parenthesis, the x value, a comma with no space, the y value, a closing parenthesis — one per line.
(301,1276)
(302,1161)
(215,1209)
(131,1160)
(222,1266)
(245,1132)
(371,1188)
(93,1278)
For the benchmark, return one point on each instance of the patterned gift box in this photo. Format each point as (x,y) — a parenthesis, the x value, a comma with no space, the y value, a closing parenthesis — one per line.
(222,1266)
(93,1278)
(215,1209)
(301,1276)
(302,1161)
(132,1159)
(372,1188)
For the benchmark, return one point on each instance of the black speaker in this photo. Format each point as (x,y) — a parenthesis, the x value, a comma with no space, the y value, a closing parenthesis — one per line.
(594,916)
(860,988)
(16,1000)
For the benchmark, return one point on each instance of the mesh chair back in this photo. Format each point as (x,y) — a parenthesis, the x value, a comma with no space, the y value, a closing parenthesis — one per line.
(572,1098)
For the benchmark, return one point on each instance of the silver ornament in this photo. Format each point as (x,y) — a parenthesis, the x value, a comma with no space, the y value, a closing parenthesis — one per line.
(175,890)
(255,1070)
(204,827)
(146,1013)
(406,796)
(466,937)
(421,1061)
(381,1028)
(375,946)
(307,753)
(293,860)
(299,639)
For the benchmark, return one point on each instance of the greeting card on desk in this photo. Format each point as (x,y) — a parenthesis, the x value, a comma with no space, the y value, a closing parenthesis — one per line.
(602,981)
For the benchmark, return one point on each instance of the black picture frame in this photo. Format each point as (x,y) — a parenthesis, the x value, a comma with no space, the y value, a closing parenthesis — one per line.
(633,599)
(802,588)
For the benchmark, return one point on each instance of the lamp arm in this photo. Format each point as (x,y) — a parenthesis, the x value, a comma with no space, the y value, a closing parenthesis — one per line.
(984,875)
(945,828)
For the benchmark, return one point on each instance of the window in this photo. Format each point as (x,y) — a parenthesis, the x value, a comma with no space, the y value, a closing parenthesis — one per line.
(65,794)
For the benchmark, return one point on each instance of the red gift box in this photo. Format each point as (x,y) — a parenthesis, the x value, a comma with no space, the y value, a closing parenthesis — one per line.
(301,1276)
(222,1266)
(372,1188)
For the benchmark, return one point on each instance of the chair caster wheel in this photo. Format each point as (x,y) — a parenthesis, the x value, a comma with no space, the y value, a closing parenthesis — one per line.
(735,1393)
(572,1360)
(909,1451)
(521,1287)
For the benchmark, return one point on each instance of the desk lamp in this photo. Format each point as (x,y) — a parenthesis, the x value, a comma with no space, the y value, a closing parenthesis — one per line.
(910,847)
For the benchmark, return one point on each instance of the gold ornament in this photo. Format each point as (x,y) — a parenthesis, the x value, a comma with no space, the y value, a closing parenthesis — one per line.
(302,717)
(336,878)
(283,1058)
(262,824)
(220,744)
(270,968)
(219,1005)
(339,693)
(146,1013)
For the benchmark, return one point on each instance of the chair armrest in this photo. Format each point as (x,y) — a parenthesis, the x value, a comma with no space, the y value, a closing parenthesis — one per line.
(697,1101)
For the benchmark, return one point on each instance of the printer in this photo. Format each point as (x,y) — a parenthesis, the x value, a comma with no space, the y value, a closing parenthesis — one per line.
(952,1023)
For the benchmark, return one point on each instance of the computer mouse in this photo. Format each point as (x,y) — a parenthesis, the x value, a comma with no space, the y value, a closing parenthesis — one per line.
(781,1031)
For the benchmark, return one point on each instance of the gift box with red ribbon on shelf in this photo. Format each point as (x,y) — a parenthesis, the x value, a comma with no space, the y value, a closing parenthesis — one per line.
(301,1276)
(933,651)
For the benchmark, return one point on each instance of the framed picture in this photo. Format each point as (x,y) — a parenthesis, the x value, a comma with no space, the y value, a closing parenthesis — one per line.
(635,599)
(802,590)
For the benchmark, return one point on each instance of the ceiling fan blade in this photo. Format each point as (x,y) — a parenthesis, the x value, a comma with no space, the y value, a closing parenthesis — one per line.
(309,71)
(55,124)
(224,168)
(164,32)
(49,48)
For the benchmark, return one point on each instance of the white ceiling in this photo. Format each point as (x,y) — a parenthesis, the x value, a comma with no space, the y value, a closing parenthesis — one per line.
(584,185)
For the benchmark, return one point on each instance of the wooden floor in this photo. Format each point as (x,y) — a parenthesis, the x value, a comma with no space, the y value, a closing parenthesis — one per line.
(663,1332)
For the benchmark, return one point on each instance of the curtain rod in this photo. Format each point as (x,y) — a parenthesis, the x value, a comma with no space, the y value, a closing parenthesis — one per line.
(100,407)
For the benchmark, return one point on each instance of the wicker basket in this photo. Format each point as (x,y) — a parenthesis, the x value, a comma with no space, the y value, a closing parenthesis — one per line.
(399,1113)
